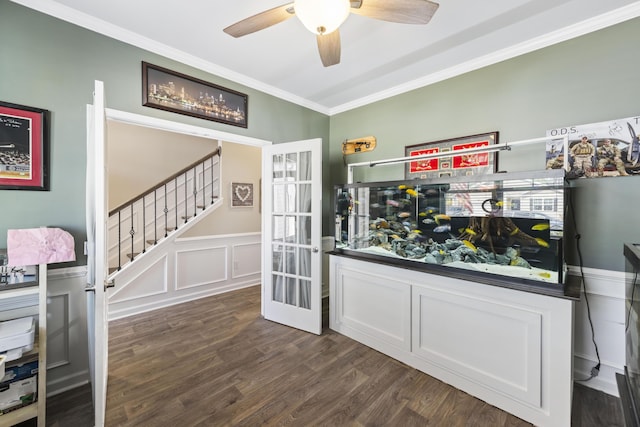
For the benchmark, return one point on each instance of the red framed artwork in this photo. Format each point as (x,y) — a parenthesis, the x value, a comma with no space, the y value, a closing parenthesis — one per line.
(452,165)
(24,147)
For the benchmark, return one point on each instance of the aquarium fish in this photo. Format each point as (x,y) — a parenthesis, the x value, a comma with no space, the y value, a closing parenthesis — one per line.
(541,226)
(545,275)
(375,205)
(416,231)
(440,217)
(428,221)
(422,214)
(470,231)
(402,187)
(412,192)
(542,242)
(442,228)
(404,214)
(470,245)
(393,203)
(514,232)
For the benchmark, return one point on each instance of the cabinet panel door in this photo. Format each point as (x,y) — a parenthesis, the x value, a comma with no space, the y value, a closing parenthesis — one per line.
(493,343)
(375,306)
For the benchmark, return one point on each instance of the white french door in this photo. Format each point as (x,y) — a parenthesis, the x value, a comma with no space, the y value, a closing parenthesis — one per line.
(96,218)
(292,232)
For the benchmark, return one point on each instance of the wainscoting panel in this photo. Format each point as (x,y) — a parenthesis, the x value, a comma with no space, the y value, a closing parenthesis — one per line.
(200,267)
(67,347)
(241,253)
(58,331)
(196,267)
(150,281)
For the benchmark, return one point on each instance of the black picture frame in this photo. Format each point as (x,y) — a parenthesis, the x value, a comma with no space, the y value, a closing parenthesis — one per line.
(24,147)
(452,165)
(178,93)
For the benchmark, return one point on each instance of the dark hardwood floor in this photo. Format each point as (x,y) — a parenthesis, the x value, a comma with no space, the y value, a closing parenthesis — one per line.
(216,362)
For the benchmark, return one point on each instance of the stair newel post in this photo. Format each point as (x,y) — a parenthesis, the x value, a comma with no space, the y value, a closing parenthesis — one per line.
(119,240)
(166,213)
(132,231)
(144,226)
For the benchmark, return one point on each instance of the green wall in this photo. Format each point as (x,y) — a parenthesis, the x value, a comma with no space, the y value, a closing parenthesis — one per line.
(48,63)
(589,79)
(51,64)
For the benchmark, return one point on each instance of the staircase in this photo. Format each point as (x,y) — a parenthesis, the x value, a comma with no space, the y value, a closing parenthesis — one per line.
(144,223)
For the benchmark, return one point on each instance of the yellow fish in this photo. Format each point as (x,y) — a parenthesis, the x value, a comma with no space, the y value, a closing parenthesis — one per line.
(470,245)
(416,231)
(514,232)
(422,214)
(542,242)
(541,226)
(439,217)
(500,204)
(402,187)
(470,231)
(545,275)
(412,192)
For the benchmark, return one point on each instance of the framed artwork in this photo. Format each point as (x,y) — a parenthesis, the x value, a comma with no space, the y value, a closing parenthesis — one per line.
(241,195)
(452,165)
(596,150)
(24,147)
(172,91)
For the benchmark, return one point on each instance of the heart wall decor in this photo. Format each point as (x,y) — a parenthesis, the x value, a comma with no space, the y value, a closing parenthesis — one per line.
(241,194)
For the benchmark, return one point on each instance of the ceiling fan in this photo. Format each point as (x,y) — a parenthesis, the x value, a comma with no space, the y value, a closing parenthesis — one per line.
(323,17)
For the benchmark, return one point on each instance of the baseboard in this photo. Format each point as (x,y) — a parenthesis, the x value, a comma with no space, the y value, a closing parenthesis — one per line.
(67,383)
(144,308)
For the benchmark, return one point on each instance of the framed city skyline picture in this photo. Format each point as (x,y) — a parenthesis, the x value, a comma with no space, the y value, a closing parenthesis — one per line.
(172,91)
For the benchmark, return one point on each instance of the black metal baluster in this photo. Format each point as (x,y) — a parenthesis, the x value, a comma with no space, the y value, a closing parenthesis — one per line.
(132,232)
(185,198)
(212,195)
(195,192)
(119,240)
(175,193)
(166,213)
(155,217)
(204,187)
(144,226)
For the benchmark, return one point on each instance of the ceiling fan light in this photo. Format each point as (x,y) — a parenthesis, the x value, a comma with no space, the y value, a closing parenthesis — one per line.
(322,16)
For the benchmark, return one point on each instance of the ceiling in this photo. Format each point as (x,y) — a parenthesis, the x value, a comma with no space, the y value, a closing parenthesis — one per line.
(379,59)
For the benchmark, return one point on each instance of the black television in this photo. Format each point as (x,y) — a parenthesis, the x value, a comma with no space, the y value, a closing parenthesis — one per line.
(629,383)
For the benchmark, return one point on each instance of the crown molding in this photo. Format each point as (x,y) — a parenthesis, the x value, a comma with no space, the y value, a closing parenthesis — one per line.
(579,29)
(70,15)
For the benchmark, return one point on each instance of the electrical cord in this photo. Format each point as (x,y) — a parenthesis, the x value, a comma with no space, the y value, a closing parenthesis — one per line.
(633,293)
(596,369)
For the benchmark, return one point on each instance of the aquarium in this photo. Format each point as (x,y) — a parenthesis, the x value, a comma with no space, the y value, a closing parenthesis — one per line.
(503,225)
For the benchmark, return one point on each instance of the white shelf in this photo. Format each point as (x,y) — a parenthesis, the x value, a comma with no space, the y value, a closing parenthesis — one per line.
(36,409)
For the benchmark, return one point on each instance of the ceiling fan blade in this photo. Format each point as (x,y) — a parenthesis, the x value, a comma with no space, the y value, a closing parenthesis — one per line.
(401,11)
(329,48)
(261,21)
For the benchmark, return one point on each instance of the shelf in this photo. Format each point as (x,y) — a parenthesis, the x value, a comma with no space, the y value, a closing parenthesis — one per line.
(19,415)
(18,292)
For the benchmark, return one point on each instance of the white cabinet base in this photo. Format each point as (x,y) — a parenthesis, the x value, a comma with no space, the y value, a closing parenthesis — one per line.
(510,348)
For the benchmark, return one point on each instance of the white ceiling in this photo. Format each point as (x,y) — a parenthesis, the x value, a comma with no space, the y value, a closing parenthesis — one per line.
(379,59)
